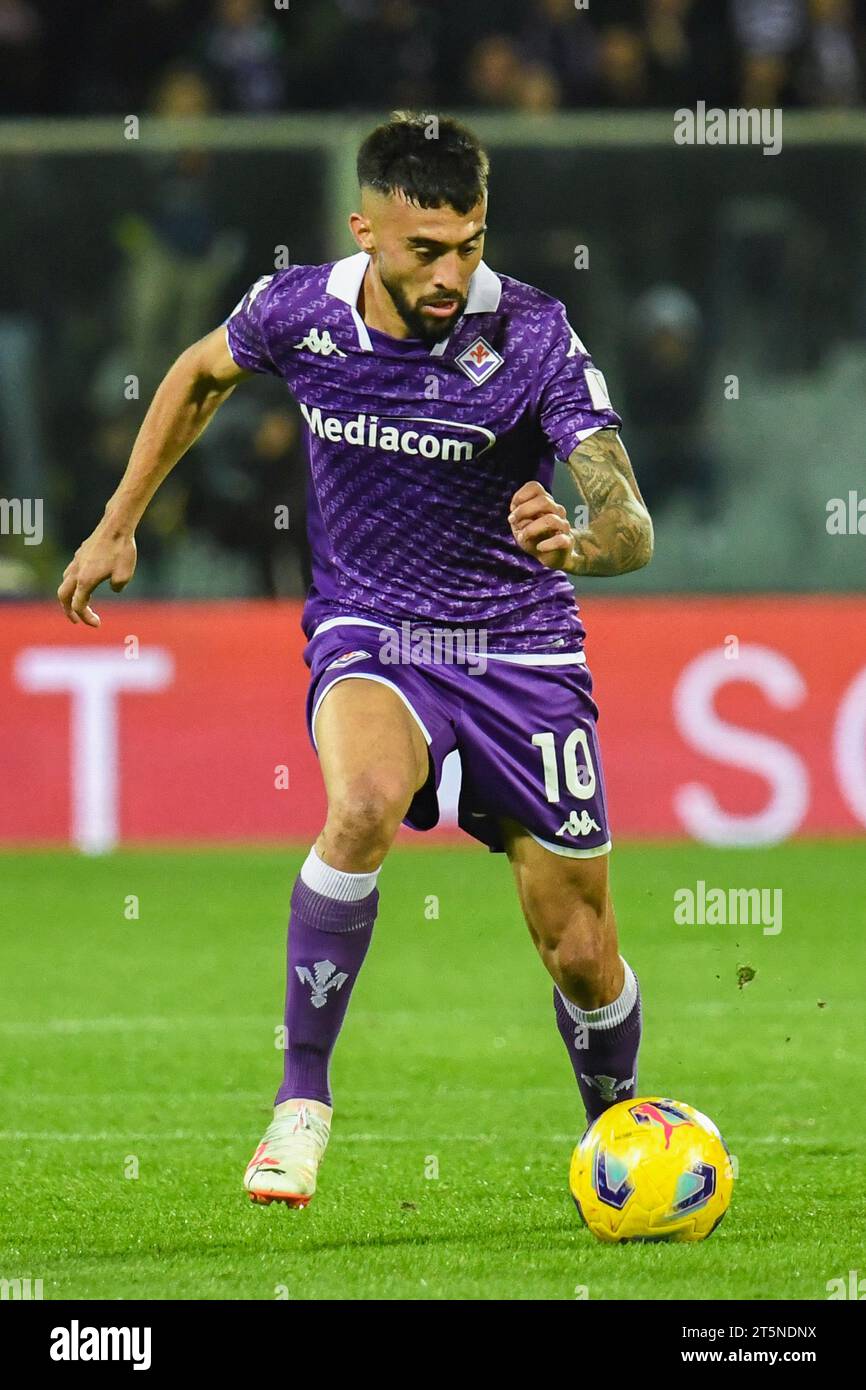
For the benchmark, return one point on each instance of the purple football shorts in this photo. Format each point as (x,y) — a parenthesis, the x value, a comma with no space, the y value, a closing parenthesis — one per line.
(524,728)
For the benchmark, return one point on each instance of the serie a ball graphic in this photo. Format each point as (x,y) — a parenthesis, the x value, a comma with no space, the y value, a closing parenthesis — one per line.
(651,1169)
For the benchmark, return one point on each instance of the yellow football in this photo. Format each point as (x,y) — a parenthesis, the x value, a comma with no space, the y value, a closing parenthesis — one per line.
(651,1169)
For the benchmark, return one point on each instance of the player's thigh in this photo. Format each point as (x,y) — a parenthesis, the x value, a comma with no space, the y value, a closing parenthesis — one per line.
(564,897)
(372,752)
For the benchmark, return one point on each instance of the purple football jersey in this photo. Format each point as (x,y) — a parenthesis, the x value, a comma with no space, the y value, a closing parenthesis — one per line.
(416,451)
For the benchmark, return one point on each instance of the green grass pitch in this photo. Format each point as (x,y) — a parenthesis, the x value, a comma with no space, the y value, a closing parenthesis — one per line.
(138,1064)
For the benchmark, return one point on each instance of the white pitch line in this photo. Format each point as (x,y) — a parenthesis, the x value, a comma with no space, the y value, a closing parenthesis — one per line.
(186,1022)
(26,1028)
(121,1138)
(358,1093)
(15,1136)
(152,1023)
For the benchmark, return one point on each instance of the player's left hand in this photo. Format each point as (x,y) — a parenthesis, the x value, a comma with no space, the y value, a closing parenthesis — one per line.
(540,526)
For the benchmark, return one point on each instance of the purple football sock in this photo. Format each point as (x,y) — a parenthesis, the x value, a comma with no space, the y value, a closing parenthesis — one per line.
(604,1057)
(328,941)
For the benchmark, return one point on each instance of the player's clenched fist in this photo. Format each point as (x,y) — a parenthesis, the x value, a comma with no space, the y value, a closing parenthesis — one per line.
(104,555)
(540,526)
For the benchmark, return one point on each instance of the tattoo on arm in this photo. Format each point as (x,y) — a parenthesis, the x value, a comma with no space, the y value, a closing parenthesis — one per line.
(619,536)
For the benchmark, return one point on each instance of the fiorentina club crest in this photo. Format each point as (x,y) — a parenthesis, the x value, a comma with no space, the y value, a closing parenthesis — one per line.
(479,361)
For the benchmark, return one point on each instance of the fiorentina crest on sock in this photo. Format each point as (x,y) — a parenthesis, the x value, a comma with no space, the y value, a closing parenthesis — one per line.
(325,977)
(607,1086)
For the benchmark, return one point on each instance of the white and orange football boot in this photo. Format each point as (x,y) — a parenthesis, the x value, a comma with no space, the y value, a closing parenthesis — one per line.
(284,1166)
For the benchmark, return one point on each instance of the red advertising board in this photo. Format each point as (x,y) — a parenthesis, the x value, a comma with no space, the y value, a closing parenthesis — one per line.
(728,720)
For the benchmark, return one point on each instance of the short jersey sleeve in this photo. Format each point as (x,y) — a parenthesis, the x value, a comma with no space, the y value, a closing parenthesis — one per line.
(571,394)
(246,329)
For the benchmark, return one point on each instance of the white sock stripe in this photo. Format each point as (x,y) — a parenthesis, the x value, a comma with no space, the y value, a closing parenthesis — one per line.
(336,883)
(609,1015)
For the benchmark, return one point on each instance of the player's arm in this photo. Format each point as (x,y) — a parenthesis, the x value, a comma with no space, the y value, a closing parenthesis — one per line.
(619,534)
(185,401)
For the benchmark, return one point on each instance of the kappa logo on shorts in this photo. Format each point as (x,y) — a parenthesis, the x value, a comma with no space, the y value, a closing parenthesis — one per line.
(346,659)
(479,361)
(578,824)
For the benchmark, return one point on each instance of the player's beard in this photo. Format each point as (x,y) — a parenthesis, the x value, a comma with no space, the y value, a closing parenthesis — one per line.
(419,325)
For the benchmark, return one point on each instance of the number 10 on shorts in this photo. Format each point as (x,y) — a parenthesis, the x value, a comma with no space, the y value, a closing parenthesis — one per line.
(579,776)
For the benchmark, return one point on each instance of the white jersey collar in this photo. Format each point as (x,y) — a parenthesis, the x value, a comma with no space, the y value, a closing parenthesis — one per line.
(485,291)
(347,276)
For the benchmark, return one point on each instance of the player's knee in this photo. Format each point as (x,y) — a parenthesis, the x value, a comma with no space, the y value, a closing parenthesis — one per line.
(364,814)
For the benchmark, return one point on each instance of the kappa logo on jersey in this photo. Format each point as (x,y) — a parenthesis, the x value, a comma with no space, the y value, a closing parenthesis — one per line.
(257,288)
(346,659)
(252,294)
(479,361)
(578,824)
(321,343)
(325,978)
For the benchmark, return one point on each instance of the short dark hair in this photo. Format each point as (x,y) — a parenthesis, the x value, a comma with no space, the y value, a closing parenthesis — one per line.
(432,160)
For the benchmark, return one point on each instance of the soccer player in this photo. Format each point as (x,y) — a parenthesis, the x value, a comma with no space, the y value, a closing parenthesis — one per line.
(437,395)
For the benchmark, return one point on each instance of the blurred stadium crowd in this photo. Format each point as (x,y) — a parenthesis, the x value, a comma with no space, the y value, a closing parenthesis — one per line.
(100,56)
(700,268)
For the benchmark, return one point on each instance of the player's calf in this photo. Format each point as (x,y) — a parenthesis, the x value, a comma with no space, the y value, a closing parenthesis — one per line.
(596,994)
(330,928)
(576,939)
(372,763)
